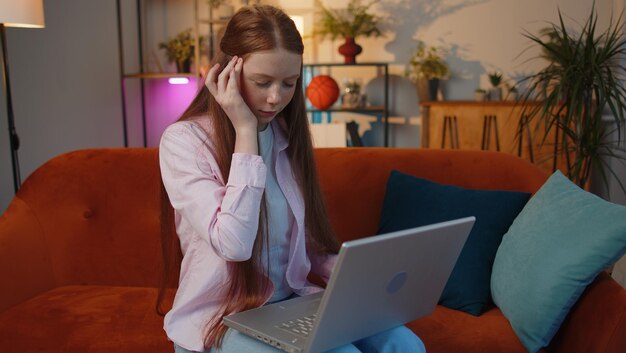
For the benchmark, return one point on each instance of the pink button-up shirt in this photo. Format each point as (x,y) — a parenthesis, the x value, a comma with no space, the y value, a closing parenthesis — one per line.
(217,220)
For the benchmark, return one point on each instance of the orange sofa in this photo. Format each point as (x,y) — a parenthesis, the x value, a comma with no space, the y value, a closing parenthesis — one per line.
(80,252)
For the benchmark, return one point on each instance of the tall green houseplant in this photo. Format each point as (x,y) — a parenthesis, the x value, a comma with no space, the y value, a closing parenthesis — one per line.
(583,81)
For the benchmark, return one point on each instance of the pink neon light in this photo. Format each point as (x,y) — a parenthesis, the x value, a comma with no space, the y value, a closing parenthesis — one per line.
(178,80)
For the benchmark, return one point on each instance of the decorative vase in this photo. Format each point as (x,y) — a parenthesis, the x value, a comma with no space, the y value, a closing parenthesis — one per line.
(480,96)
(351,100)
(183,66)
(349,49)
(495,94)
(421,86)
(433,88)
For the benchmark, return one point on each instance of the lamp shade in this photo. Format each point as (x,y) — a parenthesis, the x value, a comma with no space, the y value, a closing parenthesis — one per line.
(22,13)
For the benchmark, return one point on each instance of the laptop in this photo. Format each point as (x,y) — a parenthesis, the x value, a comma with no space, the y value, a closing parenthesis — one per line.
(378,283)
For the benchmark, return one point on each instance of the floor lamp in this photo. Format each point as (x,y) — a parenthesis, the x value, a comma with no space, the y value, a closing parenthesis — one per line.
(14,13)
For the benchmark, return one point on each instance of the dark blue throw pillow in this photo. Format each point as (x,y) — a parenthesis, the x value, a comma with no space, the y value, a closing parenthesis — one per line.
(412,202)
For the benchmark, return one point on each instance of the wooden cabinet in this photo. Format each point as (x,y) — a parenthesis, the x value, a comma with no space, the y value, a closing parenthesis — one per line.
(469,123)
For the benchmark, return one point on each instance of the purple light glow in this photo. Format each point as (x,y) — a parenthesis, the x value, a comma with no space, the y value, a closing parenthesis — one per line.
(165,103)
(178,80)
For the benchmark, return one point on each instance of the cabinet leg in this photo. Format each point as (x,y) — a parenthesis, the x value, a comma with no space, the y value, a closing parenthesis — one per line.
(443,135)
(483,144)
(457,145)
(495,126)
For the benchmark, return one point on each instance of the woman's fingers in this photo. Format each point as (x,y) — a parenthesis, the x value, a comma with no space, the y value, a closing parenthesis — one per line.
(211,79)
(235,75)
(216,80)
(224,86)
(222,80)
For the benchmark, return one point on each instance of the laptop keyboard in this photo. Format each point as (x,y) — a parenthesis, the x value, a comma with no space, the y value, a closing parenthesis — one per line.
(301,326)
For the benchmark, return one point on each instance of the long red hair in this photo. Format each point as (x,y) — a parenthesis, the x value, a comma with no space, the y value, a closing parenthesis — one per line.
(252,29)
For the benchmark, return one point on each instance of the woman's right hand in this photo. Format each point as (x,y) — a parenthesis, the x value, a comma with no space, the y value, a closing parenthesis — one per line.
(224,86)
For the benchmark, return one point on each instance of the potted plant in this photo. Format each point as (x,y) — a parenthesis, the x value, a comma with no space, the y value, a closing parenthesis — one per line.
(180,50)
(480,95)
(426,68)
(495,93)
(582,80)
(513,93)
(350,23)
(352,97)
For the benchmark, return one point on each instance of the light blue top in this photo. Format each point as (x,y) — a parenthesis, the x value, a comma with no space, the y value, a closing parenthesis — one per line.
(280,221)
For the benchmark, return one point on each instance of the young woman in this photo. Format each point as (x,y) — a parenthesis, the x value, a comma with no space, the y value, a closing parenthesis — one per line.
(239,172)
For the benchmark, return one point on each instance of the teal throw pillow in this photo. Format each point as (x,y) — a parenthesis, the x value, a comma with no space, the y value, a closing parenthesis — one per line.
(556,246)
(411,202)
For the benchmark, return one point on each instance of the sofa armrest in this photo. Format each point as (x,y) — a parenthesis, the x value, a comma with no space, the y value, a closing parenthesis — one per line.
(25,266)
(597,323)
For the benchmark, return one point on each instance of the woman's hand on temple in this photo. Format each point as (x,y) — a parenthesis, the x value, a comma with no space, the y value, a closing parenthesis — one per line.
(225,88)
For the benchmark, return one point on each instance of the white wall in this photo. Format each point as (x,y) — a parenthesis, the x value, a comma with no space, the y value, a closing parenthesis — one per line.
(65,86)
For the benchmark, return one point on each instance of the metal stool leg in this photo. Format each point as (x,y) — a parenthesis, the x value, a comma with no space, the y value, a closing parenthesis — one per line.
(456,133)
(488,121)
(443,138)
(523,125)
(495,125)
(451,128)
(488,137)
(451,132)
(530,145)
(483,144)
(520,134)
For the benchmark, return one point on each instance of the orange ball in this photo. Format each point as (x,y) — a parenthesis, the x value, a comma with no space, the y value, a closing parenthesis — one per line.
(322,92)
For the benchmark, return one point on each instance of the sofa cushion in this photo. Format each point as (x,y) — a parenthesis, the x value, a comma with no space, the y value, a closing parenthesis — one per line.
(447,330)
(411,202)
(353,181)
(556,246)
(86,319)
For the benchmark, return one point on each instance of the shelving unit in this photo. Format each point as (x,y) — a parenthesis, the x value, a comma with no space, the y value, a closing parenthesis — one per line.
(381,111)
(211,24)
(142,75)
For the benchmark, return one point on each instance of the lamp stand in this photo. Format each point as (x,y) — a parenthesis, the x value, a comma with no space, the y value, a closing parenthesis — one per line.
(13,138)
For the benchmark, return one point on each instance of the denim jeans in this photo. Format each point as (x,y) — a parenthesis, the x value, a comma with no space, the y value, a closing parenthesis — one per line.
(396,340)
